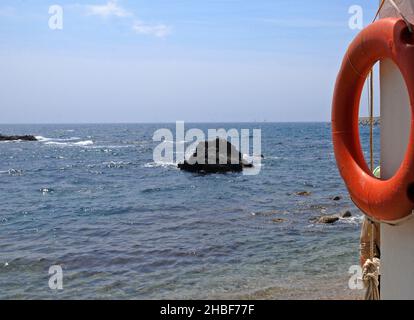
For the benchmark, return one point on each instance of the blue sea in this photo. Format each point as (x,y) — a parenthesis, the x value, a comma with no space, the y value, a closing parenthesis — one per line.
(91,199)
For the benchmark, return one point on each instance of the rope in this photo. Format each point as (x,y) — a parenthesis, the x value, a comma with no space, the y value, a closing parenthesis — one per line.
(379,10)
(370,274)
(370,270)
(371,256)
(371,118)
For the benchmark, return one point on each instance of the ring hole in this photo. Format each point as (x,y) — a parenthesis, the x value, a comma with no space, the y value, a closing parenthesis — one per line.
(391,134)
(407,37)
(410,192)
(365,125)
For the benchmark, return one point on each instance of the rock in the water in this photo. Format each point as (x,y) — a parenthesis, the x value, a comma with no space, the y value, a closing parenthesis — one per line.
(304,193)
(17,138)
(328,219)
(346,214)
(337,198)
(278,220)
(317,207)
(217,156)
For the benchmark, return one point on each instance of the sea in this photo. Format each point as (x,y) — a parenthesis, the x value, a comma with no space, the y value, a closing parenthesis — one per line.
(88,208)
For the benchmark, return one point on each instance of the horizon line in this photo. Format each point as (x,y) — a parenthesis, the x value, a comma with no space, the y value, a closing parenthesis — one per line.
(161,122)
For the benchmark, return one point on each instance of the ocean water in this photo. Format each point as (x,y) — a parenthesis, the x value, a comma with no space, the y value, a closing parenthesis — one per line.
(90,199)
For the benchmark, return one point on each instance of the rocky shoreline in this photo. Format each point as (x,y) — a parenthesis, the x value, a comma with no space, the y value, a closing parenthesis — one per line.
(280,217)
(18,138)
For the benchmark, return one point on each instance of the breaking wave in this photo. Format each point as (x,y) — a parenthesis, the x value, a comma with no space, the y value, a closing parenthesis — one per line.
(160,164)
(71,144)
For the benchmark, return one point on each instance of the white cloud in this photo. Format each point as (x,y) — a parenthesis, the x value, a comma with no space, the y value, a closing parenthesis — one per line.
(157,30)
(112,8)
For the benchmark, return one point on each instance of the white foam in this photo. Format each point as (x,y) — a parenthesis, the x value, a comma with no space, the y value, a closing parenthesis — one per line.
(41,138)
(45,139)
(71,144)
(109,147)
(84,143)
(56,143)
(352,220)
(12,172)
(160,164)
(117,164)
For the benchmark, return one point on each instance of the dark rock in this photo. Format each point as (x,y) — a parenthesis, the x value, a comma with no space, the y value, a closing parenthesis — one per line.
(224,162)
(304,193)
(337,198)
(346,214)
(279,220)
(327,219)
(16,138)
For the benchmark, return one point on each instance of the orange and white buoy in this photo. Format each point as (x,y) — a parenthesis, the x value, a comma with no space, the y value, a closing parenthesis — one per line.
(384,200)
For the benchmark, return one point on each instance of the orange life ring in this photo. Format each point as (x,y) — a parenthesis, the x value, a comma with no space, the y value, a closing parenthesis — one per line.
(384,200)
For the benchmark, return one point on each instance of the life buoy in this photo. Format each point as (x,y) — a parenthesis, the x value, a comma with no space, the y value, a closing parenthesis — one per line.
(384,200)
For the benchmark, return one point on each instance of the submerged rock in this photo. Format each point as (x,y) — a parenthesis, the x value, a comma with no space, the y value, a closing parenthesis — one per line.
(304,193)
(210,158)
(17,138)
(346,214)
(337,198)
(279,220)
(327,219)
(333,218)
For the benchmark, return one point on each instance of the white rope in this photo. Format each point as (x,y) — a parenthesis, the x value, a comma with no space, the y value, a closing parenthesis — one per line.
(370,274)
(372,241)
(371,118)
(370,270)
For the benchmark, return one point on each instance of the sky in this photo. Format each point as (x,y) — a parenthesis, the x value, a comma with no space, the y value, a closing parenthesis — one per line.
(172,60)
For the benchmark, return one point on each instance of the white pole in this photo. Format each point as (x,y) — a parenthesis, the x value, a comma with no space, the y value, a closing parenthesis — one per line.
(397,243)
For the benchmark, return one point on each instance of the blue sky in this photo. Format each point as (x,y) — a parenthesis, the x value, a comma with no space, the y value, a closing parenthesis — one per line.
(168,60)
